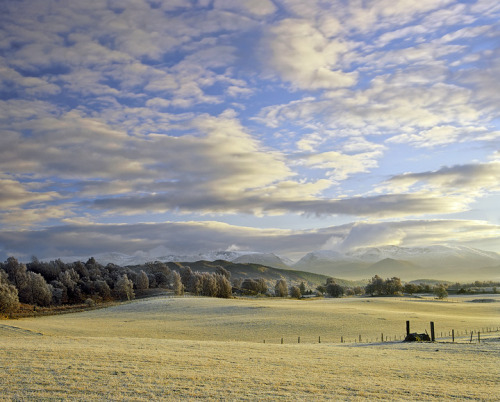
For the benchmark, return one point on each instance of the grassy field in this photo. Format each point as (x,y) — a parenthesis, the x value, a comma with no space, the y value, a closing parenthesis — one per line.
(172,348)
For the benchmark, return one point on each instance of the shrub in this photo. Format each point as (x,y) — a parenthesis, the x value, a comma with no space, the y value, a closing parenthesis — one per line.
(89,302)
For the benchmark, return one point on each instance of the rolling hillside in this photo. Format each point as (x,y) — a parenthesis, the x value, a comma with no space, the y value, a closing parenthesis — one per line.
(253,271)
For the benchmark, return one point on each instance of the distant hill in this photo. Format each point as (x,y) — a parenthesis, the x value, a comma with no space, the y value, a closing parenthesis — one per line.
(456,263)
(391,267)
(269,260)
(430,282)
(254,271)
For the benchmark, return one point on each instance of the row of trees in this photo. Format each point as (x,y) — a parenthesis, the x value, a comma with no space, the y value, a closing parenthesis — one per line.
(55,283)
(393,286)
(203,283)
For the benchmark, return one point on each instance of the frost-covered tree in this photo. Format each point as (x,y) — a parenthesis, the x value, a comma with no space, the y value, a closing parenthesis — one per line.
(393,286)
(102,289)
(195,283)
(209,285)
(69,278)
(223,271)
(124,288)
(9,299)
(16,272)
(224,288)
(37,291)
(295,292)
(186,274)
(162,279)
(376,286)
(281,288)
(178,286)
(440,291)
(142,281)
(334,289)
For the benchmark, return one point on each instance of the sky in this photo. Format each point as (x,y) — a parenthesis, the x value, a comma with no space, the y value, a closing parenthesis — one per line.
(284,126)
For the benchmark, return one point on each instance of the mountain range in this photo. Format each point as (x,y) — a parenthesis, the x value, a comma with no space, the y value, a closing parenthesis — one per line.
(439,262)
(408,263)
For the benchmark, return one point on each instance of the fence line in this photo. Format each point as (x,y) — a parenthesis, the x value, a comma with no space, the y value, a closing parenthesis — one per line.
(441,336)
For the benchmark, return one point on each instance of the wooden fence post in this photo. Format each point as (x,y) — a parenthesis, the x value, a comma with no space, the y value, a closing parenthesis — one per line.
(407,328)
(478,337)
(319,339)
(282,341)
(453,335)
(433,337)
(298,340)
(382,336)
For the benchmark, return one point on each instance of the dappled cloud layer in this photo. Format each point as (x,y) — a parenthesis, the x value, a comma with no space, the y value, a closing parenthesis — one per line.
(205,117)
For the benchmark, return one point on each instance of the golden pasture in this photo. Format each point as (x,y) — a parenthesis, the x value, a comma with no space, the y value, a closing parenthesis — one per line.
(172,348)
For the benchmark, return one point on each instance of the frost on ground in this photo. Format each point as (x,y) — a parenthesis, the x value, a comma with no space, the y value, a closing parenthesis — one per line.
(108,354)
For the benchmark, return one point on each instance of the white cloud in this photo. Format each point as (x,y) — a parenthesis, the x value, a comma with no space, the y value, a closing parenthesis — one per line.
(16,194)
(31,85)
(469,180)
(118,107)
(302,55)
(183,237)
(340,165)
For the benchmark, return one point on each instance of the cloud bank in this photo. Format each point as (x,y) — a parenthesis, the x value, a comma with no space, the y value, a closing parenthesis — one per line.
(115,113)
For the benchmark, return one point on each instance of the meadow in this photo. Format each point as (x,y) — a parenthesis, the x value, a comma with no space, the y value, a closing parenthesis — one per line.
(172,348)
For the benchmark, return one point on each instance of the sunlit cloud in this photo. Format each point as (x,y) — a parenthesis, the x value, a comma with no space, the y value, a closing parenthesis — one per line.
(236,111)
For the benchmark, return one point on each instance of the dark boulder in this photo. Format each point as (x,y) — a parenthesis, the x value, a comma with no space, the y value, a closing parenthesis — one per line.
(417,338)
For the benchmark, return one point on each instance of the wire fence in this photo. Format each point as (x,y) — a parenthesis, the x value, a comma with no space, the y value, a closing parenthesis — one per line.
(451,335)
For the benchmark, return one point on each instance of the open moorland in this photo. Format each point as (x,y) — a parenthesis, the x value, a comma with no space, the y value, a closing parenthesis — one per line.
(192,347)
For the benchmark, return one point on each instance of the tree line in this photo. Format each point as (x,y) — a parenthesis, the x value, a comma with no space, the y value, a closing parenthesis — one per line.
(57,283)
